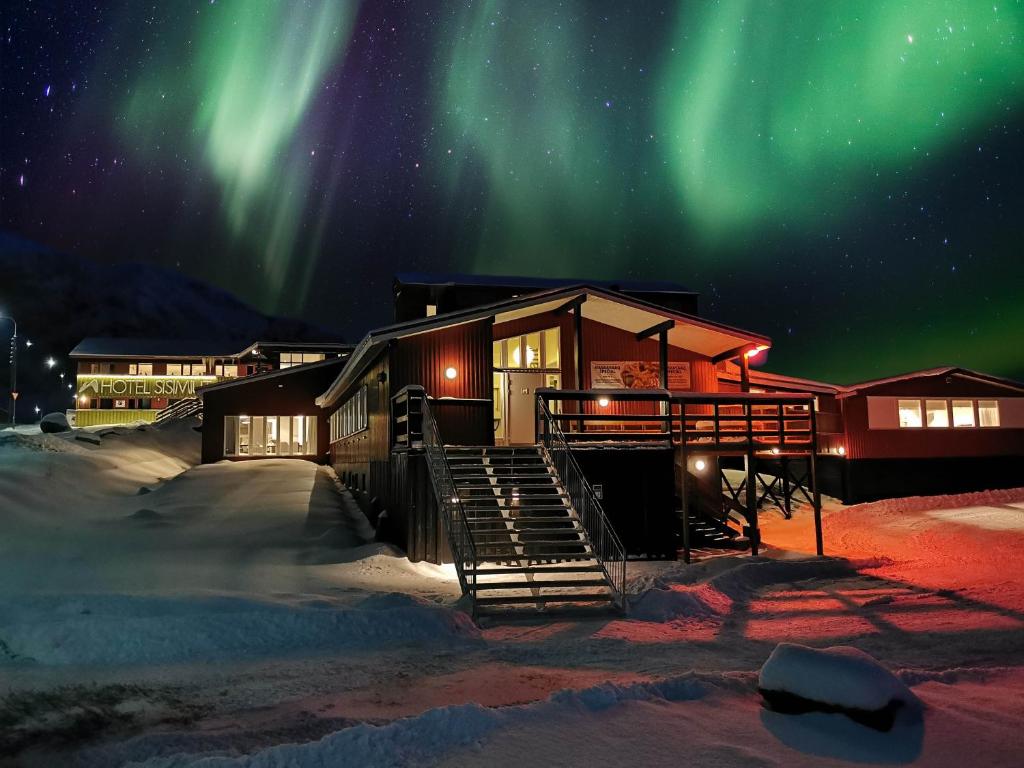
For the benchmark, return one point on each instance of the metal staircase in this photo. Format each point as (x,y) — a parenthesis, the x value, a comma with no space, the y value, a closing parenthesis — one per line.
(181,409)
(524,526)
(530,544)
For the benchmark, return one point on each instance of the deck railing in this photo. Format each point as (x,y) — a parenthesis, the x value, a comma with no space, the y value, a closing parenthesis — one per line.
(417,413)
(605,543)
(723,422)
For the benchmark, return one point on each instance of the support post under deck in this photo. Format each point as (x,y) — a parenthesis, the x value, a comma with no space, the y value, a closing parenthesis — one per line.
(812,475)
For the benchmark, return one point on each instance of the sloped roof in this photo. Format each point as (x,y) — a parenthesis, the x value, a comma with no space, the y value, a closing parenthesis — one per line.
(769,379)
(864,386)
(693,333)
(242,380)
(101,346)
(519,281)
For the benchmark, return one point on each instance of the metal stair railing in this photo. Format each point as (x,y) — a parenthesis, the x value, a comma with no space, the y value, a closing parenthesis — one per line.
(180,409)
(460,537)
(604,542)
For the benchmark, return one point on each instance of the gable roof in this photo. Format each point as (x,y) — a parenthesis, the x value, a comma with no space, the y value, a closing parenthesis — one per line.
(966,373)
(708,338)
(242,380)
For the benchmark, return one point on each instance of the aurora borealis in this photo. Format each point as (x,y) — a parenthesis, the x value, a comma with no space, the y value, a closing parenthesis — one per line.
(845,177)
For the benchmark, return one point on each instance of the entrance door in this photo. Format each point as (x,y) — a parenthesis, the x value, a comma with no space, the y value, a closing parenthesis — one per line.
(520,406)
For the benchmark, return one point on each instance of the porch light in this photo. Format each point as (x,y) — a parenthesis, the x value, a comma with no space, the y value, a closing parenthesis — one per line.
(841,450)
(603,402)
(755,351)
(450,373)
(775,450)
(700,465)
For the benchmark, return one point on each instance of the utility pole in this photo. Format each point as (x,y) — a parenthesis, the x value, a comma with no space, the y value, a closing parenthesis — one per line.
(13,361)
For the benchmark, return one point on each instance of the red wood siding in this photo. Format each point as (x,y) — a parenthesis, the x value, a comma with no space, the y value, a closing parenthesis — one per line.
(864,443)
(423,358)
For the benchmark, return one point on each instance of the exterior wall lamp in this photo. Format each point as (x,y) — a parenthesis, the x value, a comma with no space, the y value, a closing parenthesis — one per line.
(603,402)
(450,373)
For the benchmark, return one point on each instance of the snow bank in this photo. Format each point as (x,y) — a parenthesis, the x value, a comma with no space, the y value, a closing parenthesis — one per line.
(842,676)
(952,501)
(428,737)
(124,629)
(738,580)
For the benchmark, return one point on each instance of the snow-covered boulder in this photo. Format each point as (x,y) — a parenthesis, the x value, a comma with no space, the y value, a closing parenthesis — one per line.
(54,422)
(797,679)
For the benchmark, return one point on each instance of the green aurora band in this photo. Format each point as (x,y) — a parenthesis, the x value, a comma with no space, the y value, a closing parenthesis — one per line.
(250,79)
(766,131)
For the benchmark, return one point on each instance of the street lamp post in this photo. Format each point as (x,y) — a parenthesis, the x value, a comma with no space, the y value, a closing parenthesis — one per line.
(14,369)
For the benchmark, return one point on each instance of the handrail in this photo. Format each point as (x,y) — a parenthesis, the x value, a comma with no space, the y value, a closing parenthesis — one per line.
(724,422)
(604,542)
(179,409)
(460,538)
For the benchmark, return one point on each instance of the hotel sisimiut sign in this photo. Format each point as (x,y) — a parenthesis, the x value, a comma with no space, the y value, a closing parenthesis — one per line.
(141,386)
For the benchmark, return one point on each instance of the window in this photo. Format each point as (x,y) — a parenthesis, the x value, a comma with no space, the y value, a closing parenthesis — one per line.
(431,310)
(936,413)
(538,350)
(988,413)
(551,351)
(352,416)
(269,435)
(288,359)
(225,370)
(145,369)
(963,413)
(186,369)
(133,369)
(910,413)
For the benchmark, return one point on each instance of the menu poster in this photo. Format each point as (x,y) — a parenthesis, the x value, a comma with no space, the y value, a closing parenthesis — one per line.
(622,374)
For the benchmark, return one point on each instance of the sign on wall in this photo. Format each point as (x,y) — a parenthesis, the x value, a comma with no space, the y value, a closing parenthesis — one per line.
(624,374)
(142,386)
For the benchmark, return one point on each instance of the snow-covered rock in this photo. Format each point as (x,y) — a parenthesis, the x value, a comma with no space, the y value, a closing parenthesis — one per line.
(54,422)
(796,678)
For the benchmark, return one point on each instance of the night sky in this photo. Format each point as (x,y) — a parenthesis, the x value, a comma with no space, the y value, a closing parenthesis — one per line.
(846,177)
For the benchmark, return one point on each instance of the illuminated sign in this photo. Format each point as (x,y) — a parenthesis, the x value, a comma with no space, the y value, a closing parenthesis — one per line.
(142,386)
(623,374)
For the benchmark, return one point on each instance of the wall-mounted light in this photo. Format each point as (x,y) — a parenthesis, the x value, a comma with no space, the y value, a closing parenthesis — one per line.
(83,399)
(775,450)
(700,465)
(603,402)
(450,373)
(841,450)
(755,351)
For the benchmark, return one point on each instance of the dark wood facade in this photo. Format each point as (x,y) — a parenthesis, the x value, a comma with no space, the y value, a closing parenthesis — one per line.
(291,392)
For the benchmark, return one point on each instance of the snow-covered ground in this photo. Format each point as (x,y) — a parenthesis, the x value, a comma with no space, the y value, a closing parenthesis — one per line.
(154,612)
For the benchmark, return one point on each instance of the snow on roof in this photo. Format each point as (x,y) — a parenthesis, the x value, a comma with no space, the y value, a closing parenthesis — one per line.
(853,389)
(105,346)
(101,346)
(519,281)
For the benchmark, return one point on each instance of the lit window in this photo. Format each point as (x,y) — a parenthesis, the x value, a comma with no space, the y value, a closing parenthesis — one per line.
(936,413)
(497,348)
(963,413)
(551,351)
(431,310)
(269,435)
(145,369)
(514,357)
(174,369)
(988,413)
(533,351)
(910,413)
(133,369)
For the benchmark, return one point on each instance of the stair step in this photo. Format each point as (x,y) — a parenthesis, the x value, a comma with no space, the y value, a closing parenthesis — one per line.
(550,584)
(484,522)
(534,569)
(604,597)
